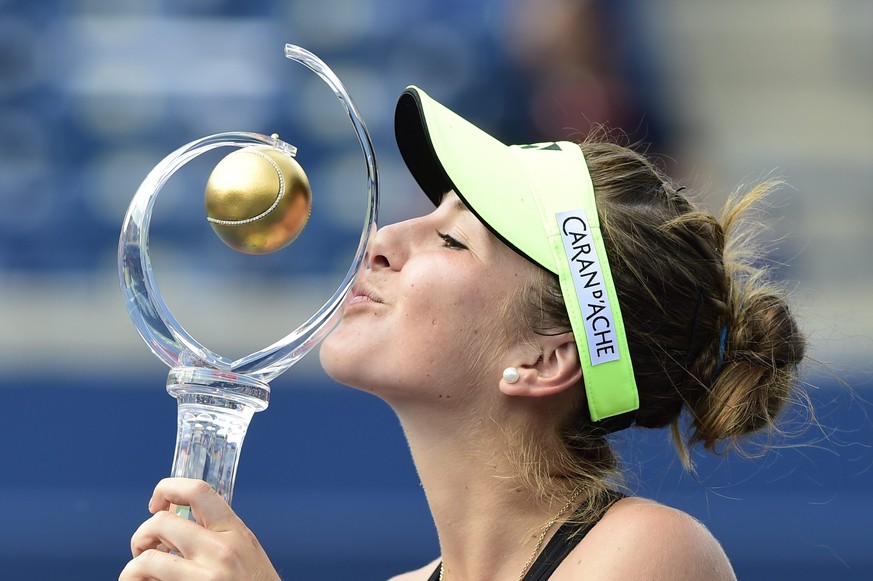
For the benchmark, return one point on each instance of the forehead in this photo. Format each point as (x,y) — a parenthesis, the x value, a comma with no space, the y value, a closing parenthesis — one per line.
(451,199)
(453,206)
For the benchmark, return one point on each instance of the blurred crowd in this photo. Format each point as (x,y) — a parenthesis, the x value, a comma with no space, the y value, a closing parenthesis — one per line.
(93,94)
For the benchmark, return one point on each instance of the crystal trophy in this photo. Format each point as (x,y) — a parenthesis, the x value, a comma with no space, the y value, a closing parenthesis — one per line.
(217,397)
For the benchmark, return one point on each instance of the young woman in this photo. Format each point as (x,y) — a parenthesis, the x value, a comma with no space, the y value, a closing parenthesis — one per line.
(557,293)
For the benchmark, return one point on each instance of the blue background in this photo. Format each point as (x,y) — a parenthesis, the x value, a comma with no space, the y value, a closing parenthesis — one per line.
(326,483)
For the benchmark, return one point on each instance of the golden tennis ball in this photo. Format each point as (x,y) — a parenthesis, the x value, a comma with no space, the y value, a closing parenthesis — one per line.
(258,199)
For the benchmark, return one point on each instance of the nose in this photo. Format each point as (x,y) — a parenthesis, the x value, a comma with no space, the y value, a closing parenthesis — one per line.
(388,247)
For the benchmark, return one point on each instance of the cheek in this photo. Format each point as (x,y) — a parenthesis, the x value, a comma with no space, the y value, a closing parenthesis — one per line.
(445,329)
(459,329)
(441,306)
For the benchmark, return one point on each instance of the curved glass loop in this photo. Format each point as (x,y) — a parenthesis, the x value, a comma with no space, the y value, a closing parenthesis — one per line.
(145,305)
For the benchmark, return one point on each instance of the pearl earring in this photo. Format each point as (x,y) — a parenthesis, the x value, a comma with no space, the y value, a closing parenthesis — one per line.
(511,375)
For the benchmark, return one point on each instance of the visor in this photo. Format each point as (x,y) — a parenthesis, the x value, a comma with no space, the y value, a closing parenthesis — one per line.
(539,200)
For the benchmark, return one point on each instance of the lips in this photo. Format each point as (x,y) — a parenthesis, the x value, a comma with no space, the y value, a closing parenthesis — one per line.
(359,294)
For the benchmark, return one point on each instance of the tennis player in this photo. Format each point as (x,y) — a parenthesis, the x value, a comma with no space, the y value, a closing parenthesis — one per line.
(557,293)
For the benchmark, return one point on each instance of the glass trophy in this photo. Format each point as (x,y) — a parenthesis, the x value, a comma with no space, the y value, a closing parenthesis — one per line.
(217,396)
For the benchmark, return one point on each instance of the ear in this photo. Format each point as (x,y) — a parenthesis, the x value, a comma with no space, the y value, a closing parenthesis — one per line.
(550,368)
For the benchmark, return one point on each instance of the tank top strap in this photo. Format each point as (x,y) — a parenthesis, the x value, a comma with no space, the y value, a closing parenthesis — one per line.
(435,576)
(562,544)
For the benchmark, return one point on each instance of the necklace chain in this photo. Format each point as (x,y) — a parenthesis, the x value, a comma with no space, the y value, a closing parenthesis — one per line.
(546,528)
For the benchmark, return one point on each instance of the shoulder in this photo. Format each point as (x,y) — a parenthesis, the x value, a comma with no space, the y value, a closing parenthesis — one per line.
(422,574)
(641,539)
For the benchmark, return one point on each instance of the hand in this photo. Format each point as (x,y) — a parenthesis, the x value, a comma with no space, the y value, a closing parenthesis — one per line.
(218,547)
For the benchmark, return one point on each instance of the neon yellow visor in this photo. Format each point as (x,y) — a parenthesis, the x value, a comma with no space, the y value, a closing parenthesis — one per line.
(539,200)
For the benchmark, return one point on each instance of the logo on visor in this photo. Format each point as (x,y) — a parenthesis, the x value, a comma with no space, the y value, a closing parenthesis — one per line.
(587,275)
(550,146)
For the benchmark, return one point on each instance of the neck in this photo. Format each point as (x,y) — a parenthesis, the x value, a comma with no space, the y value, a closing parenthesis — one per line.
(487,523)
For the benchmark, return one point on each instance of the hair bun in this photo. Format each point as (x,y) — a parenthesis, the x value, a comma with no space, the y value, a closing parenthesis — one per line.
(755,375)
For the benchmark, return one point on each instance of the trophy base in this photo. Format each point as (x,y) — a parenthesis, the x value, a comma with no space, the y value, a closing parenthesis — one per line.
(215,409)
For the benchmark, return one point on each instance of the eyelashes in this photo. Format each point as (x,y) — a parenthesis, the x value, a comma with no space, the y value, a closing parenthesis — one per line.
(450,242)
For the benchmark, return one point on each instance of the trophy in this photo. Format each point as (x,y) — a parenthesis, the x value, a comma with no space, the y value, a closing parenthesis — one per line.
(217,396)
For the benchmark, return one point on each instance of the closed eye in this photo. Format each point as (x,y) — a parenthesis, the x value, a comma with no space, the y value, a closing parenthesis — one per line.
(450,242)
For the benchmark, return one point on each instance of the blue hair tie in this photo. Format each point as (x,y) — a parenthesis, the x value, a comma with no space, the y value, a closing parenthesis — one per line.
(721,348)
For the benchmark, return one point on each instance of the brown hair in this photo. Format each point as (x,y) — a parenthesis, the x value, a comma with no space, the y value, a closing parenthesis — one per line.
(707,331)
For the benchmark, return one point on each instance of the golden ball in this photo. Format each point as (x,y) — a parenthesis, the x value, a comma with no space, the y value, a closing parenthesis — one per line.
(258,199)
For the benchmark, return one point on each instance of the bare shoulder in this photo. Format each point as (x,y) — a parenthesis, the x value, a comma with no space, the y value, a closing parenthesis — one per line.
(422,574)
(641,539)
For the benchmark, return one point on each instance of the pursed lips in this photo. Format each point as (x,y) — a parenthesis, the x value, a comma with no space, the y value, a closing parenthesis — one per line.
(360,294)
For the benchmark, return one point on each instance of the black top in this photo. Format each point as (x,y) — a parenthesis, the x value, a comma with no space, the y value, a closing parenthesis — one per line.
(559,546)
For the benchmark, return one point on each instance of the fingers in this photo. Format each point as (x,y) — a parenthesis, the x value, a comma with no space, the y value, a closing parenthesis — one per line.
(208,508)
(195,552)
(218,546)
(155,565)
(167,532)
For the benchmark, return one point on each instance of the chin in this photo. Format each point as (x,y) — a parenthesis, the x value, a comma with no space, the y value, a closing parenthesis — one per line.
(336,363)
(329,358)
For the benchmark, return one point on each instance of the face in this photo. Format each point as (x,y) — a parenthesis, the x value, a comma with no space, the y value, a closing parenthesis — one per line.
(427,317)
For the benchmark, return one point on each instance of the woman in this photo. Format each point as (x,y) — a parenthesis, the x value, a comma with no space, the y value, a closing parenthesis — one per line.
(511,330)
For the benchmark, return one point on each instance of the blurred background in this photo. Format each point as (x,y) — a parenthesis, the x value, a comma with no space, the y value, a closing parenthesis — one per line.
(94,93)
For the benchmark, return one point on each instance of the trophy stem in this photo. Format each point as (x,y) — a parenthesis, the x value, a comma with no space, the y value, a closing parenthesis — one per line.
(215,408)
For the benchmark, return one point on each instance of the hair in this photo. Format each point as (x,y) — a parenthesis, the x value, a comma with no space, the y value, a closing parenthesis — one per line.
(708,333)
